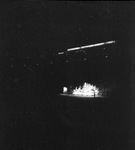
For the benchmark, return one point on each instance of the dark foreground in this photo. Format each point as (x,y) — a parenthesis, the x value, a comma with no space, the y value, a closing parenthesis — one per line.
(52,122)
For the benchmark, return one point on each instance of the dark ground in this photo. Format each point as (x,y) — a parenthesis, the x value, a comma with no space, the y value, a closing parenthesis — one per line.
(34,119)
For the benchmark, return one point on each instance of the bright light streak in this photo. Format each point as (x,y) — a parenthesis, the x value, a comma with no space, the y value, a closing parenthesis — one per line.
(60,53)
(92,45)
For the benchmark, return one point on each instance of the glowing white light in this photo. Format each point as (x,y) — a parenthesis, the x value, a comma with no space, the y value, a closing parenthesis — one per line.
(60,53)
(92,45)
(65,89)
(87,46)
(86,90)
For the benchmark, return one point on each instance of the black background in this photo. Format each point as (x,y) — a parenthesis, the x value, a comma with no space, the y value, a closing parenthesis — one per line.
(31,73)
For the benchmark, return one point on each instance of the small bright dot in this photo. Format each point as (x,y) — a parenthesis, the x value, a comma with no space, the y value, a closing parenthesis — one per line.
(60,53)
(24,65)
(85,59)
(106,56)
(64,89)
(37,64)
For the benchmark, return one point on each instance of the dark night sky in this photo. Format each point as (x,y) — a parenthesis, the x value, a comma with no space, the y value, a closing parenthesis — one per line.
(33,26)
(32,31)
(31,35)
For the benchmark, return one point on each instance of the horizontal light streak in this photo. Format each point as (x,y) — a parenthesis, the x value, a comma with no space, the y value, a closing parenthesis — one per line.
(60,53)
(92,45)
